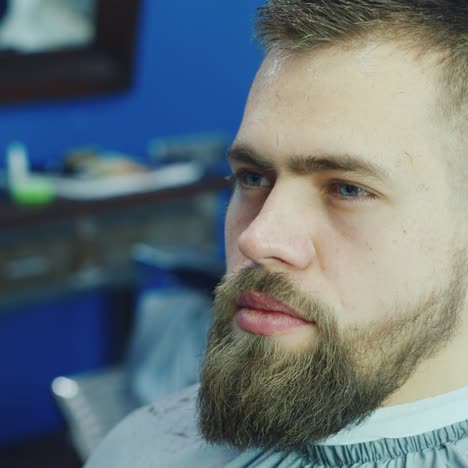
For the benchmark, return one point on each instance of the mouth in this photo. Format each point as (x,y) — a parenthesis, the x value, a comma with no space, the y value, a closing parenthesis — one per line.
(263,315)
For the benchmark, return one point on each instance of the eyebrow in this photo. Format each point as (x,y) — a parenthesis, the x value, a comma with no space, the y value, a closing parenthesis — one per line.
(306,165)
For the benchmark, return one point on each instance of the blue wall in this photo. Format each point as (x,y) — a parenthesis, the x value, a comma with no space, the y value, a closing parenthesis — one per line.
(194,64)
(64,336)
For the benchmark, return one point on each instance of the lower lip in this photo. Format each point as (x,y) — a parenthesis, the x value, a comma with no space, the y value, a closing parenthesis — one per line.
(268,323)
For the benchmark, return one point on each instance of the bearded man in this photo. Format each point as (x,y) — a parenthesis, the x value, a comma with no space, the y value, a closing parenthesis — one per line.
(340,333)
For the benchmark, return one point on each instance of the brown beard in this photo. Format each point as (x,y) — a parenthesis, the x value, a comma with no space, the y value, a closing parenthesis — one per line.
(254,393)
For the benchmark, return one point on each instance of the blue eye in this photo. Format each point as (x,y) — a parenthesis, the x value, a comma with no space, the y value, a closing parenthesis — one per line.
(246,179)
(350,192)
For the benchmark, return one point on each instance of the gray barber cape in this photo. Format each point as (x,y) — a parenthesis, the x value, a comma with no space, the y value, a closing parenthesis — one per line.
(165,435)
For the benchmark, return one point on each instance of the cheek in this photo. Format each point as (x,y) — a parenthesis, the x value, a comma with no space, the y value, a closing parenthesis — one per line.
(232,230)
(238,218)
(372,277)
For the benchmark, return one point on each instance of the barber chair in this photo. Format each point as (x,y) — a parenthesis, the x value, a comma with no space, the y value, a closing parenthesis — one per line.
(172,318)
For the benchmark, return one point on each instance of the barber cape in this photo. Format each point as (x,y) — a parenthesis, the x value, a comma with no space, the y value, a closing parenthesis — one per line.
(427,433)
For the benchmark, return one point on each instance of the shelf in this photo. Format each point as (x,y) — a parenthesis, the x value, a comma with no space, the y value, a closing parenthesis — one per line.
(14,216)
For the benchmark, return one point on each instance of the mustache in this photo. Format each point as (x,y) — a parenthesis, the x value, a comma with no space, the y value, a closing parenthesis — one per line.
(276,285)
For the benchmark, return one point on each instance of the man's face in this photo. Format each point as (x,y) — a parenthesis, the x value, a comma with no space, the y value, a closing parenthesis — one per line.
(370,259)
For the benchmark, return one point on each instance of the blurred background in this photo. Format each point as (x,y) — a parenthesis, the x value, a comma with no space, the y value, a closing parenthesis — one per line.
(114,122)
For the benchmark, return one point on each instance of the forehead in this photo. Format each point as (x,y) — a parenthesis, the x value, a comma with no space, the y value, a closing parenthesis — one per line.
(377,101)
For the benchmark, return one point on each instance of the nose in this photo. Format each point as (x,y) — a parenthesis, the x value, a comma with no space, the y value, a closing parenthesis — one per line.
(279,234)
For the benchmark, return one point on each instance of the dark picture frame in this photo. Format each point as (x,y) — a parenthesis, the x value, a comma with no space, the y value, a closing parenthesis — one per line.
(104,66)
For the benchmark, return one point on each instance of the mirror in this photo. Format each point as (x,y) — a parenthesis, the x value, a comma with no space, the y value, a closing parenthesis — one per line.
(31,26)
(53,49)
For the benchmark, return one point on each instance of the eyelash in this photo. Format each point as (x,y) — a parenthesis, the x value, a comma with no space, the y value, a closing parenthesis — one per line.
(236,180)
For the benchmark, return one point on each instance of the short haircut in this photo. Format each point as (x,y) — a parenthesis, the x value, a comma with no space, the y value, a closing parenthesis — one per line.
(439,26)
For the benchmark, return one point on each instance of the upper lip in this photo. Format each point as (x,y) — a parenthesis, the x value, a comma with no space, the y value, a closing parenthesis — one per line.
(260,301)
